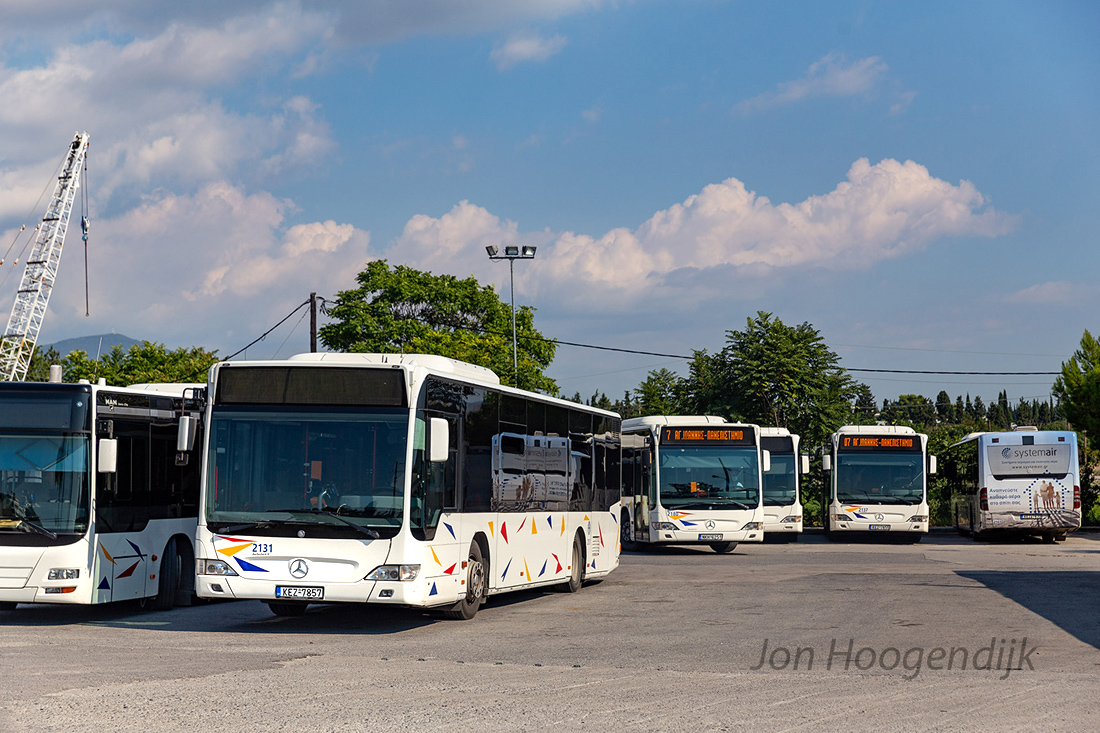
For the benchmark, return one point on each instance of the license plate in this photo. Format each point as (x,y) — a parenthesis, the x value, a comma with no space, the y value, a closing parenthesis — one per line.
(710,537)
(306,593)
(883,527)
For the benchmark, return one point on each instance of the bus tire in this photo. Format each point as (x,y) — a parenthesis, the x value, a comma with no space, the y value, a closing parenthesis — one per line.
(287,608)
(476,576)
(576,569)
(1060,537)
(628,544)
(169,581)
(8,605)
(723,547)
(828,529)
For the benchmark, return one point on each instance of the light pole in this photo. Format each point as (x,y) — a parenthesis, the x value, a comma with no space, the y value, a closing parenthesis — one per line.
(512,253)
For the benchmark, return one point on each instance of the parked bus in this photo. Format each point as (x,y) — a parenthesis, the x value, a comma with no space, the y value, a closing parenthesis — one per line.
(783,483)
(97,501)
(691,481)
(407,480)
(877,481)
(1025,482)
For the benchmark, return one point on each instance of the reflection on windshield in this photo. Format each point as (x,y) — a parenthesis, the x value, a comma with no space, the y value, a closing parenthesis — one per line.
(880,478)
(284,465)
(44,481)
(780,487)
(713,475)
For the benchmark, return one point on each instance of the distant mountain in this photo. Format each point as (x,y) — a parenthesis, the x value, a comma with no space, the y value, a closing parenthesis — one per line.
(92,345)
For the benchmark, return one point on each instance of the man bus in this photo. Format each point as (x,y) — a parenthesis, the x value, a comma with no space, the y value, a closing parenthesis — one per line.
(406,480)
(691,481)
(1025,482)
(877,481)
(98,497)
(783,483)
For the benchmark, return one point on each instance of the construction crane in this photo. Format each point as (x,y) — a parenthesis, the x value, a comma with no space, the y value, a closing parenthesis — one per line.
(21,335)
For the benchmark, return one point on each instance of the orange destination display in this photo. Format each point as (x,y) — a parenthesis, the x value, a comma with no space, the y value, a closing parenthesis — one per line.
(880,442)
(708,435)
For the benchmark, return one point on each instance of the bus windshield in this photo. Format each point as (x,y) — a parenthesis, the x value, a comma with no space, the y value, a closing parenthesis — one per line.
(271,469)
(719,476)
(880,477)
(43,483)
(780,488)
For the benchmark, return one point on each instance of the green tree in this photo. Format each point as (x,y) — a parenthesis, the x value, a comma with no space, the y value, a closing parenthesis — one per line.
(660,394)
(1078,387)
(945,409)
(410,311)
(144,362)
(777,375)
(911,409)
(41,360)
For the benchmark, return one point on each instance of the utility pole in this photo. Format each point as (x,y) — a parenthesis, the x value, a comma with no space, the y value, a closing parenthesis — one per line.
(313,323)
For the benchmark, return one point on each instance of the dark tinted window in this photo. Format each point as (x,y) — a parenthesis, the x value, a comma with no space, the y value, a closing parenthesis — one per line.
(311,386)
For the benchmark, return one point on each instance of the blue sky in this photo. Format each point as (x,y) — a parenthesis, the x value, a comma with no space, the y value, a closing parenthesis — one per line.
(917,181)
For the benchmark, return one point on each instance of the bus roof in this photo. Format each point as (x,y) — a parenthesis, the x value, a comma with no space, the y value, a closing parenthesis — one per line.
(656,421)
(985,436)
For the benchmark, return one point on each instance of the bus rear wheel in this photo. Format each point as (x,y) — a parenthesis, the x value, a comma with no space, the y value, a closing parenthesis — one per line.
(465,609)
(576,569)
(628,544)
(723,547)
(287,608)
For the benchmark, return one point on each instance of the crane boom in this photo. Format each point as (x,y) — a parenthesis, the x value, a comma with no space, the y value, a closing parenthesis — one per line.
(33,295)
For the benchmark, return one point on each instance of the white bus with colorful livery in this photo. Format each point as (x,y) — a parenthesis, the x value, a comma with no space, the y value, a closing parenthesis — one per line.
(691,481)
(98,502)
(783,483)
(877,482)
(407,480)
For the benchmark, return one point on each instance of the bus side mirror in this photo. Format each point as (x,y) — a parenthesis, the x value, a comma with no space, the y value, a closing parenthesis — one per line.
(805,463)
(827,462)
(185,440)
(766,458)
(931,464)
(440,433)
(107,460)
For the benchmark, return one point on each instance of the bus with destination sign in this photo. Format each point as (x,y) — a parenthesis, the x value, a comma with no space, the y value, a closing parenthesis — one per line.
(691,480)
(99,493)
(877,481)
(1023,482)
(406,480)
(783,483)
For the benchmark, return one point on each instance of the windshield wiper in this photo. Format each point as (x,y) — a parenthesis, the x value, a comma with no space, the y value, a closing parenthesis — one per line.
(262,524)
(365,530)
(712,505)
(30,526)
(315,512)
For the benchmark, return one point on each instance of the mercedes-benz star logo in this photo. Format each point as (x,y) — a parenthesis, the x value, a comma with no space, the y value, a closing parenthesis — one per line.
(878,518)
(710,524)
(299,568)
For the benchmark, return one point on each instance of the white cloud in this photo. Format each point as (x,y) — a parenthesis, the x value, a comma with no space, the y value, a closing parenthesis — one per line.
(881,211)
(212,268)
(1050,293)
(832,76)
(523,47)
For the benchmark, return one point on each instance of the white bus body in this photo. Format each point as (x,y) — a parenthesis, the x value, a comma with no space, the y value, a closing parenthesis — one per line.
(783,482)
(691,481)
(97,502)
(408,480)
(878,481)
(1023,482)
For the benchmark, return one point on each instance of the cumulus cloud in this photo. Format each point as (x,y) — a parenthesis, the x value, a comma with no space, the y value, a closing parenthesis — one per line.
(217,265)
(523,47)
(832,76)
(879,212)
(1050,293)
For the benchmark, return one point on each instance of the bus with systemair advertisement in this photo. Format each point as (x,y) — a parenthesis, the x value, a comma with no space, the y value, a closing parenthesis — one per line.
(877,481)
(404,480)
(1023,482)
(691,480)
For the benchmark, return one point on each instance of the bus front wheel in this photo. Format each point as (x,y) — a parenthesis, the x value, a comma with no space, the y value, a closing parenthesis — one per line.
(287,608)
(723,547)
(465,609)
(170,574)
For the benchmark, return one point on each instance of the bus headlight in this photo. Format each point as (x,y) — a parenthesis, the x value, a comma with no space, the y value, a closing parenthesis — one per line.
(841,518)
(918,518)
(394,572)
(666,527)
(752,525)
(215,567)
(790,520)
(63,574)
